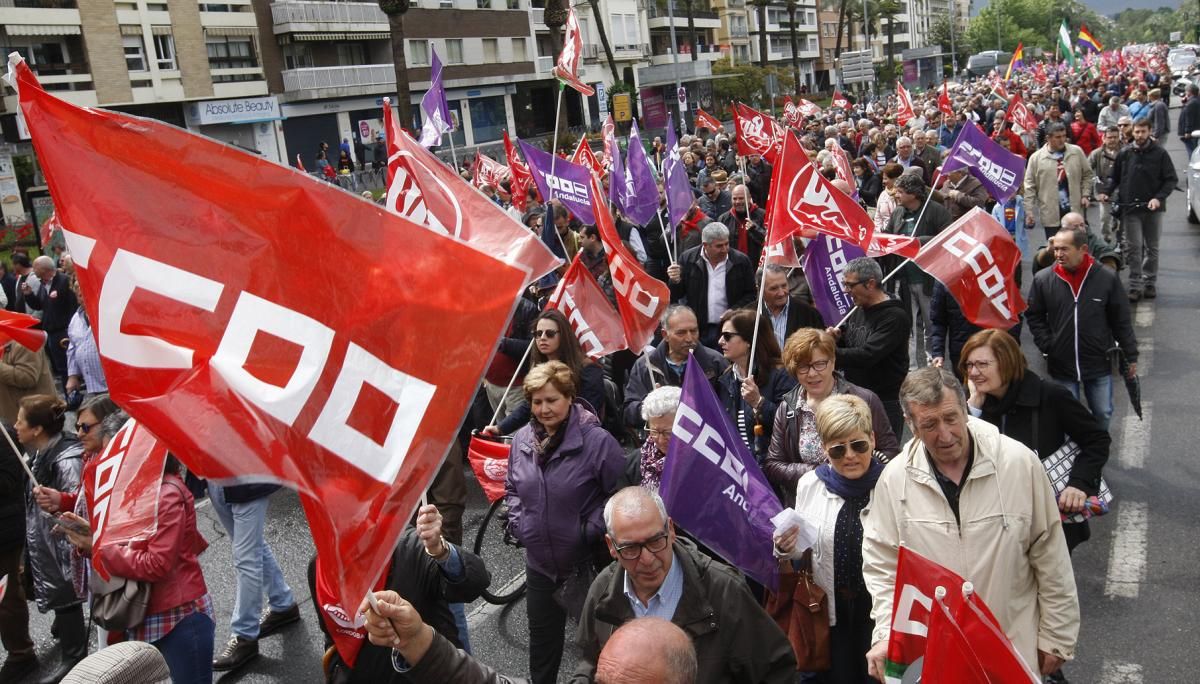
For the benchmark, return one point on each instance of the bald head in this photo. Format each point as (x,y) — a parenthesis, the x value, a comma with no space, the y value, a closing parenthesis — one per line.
(843,186)
(43,266)
(647,650)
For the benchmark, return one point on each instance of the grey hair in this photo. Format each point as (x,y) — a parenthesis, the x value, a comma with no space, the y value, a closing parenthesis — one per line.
(112,424)
(674,310)
(866,269)
(714,232)
(660,402)
(771,268)
(1114,100)
(43,261)
(911,183)
(1055,128)
(99,405)
(926,386)
(632,500)
(904,139)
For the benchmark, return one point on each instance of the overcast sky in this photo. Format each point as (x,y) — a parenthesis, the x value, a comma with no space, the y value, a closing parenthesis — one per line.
(1107,7)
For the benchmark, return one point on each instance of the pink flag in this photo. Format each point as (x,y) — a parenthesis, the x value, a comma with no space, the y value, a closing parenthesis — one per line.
(567,69)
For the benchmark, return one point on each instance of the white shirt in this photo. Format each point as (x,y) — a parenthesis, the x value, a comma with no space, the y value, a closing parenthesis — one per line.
(718,302)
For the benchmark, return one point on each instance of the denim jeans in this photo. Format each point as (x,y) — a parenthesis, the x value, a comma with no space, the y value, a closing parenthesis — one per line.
(1099,393)
(188,650)
(1142,229)
(252,559)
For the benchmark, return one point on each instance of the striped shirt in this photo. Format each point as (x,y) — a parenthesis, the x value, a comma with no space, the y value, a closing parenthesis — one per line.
(83,359)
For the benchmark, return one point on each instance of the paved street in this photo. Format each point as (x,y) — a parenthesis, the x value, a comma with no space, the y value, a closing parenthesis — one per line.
(1137,577)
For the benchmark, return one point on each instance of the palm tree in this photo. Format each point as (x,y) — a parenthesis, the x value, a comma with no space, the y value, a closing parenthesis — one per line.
(689,6)
(395,10)
(889,9)
(762,31)
(612,63)
(555,16)
(791,8)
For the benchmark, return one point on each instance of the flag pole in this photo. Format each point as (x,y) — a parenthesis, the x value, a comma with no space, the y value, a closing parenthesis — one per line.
(757,320)
(453,153)
(20,456)
(553,160)
(500,404)
(666,240)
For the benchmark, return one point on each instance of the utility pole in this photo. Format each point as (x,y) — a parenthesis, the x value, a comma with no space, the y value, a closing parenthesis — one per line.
(675,58)
(997,25)
(953,51)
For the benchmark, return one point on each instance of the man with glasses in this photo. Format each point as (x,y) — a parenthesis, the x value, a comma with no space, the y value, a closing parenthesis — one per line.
(664,366)
(660,575)
(872,344)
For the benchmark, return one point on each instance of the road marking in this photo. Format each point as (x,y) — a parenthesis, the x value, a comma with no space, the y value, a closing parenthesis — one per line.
(1135,437)
(1120,673)
(1127,561)
(477,617)
(1144,318)
(1145,355)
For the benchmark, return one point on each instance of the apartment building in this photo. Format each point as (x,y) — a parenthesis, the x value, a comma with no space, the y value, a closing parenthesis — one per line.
(733,36)
(825,67)
(779,47)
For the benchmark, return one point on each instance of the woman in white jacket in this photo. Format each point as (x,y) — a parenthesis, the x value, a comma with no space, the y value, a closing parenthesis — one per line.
(831,497)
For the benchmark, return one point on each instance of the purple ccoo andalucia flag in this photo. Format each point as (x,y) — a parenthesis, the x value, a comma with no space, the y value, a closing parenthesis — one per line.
(640,203)
(1000,171)
(434,107)
(679,191)
(712,486)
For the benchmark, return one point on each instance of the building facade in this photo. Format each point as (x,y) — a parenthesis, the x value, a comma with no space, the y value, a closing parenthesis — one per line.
(779,47)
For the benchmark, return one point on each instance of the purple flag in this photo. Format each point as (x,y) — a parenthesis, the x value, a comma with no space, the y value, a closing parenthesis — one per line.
(641,192)
(616,177)
(679,191)
(825,260)
(570,183)
(1000,171)
(434,106)
(712,486)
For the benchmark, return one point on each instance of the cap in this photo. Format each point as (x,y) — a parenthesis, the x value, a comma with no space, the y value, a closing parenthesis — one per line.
(129,662)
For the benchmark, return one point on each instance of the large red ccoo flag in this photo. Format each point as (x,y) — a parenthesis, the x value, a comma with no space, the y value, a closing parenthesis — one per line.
(268,326)
(801,199)
(595,322)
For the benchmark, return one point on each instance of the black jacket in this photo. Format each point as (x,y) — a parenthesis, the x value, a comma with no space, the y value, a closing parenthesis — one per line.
(754,237)
(1189,118)
(12,499)
(652,371)
(658,253)
(692,289)
(949,327)
(722,204)
(873,348)
(870,186)
(249,492)
(758,180)
(1142,174)
(1100,314)
(729,392)
(800,314)
(56,302)
(1055,413)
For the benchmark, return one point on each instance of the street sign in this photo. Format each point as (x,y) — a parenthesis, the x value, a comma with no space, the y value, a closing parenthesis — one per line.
(622,111)
(856,67)
(682,96)
(602,98)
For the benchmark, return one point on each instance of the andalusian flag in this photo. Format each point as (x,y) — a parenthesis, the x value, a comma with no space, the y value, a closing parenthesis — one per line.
(1087,41)
(1064,43)
(1016,61)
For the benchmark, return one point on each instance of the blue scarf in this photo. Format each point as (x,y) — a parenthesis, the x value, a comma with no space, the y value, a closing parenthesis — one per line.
(847,488)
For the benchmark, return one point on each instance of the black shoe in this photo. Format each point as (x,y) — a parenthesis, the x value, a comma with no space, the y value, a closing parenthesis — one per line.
(1056,677)
(1135,296)
(1150,292)
(59,673)
(274,620)
(16,669)
(237,653)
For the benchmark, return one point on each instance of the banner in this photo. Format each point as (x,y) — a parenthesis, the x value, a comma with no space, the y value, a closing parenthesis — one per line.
(975,258)
(641,299)
(585,157)
(641,190)
(883,244)
(487,171)
(425,191)
(567,69)
(434,107)
(580,298)
(706,120)
(712,486)
(675,181)
(839,100)
(570,183)
(943,102)
(801,198)
(904,105)
(127,479)
(757,133)
(520,178)
(317,373)
(22,329)
(791,114)
(1000,171)
(1023,120)
(608,132)
(809,108)
(824,262)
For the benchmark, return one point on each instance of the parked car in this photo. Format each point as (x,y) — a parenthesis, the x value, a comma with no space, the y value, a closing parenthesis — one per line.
(1193,184)
(1181,60)
(981,63)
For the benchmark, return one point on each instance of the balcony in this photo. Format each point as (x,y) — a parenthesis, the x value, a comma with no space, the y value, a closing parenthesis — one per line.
(739,32)
(39,17)
(545,64)
(322,81)
(708,53)
(327,17)
(702,14)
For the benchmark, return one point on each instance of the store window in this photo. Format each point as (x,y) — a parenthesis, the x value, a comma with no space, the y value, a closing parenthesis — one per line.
(488,118)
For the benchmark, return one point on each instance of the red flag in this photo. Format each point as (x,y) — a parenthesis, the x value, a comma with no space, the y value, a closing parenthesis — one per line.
(596,325)
(3,586)
(567,69)
(1019,114)
(128,476)
(782,253)
(809,108)
(19,327)
(943,102)
(904,105)
(888,243)
(800,197)
(49,227)
(424,190)
(757,133)
(839,100)
(1039,73)
(999,89)
(316,373)
(841,162)
(791,114)
(346,627)
(975,259)
(641,299)
(487,171)
(520,176)
(949,656)
(708,121)
(608,131)
(585,157)
(489,461)
(995,651)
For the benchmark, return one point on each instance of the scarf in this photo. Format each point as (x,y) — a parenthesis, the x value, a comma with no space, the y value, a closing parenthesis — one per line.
(545,445)
(1075,280)
(653,461)
(845,487)
(691,223)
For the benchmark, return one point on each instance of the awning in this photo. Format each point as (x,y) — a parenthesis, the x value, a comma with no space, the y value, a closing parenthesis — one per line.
(131,29)
(41,30)
(160,30)
(230,30)
(381,35)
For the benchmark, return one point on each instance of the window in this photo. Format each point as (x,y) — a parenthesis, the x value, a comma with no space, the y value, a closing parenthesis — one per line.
(454,53)
(164,52)
(297,56)
(135,53)
(446,4)
(156,7)
(827,55)
(418,52)
(520,50)
(514,4)
(488,118)
(624,30)
(232,53)
(491,51)
(812,44)
(351,54)
(483,4)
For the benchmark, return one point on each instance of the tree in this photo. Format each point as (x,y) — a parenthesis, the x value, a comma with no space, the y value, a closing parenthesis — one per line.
(612,63)
(939,34)
(395,11)
(761,5)
(689,6)
(748,84)
(889,9)
(791,8)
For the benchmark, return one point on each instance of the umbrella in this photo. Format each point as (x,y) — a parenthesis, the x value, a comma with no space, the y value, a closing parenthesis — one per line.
(1133,385)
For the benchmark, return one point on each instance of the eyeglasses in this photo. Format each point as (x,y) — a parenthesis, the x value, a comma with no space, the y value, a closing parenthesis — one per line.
(633,551)
(82,428)
(860,446)
(727,336)
(656,434)
(548,334)
(977,365)
(848,285)
(818,366)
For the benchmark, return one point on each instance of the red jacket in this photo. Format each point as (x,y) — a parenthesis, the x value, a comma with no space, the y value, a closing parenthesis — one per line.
(168,559)
(1086,136)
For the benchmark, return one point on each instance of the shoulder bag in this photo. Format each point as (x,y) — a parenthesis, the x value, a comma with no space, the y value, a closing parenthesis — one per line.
(118,604)
(801,610)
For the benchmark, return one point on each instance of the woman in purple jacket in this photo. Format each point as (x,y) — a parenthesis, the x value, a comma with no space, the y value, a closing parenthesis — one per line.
(562,467)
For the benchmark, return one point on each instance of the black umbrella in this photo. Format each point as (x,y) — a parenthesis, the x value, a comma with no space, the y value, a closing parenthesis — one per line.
(1133,385)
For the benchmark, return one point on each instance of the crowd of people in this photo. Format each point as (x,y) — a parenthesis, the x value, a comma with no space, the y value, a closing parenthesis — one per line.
(822,407)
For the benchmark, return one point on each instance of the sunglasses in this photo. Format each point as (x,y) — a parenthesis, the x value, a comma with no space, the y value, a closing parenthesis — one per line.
(727,336)
(548,334)
(82,428)
(837,451)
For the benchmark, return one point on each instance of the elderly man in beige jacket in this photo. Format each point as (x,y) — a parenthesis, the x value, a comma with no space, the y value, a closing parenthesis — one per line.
(1058,180)
(980,504)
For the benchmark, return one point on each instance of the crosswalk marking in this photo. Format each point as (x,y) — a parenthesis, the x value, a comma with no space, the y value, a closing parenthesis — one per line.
(1144,318)
(1135,437)
(1127,560)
